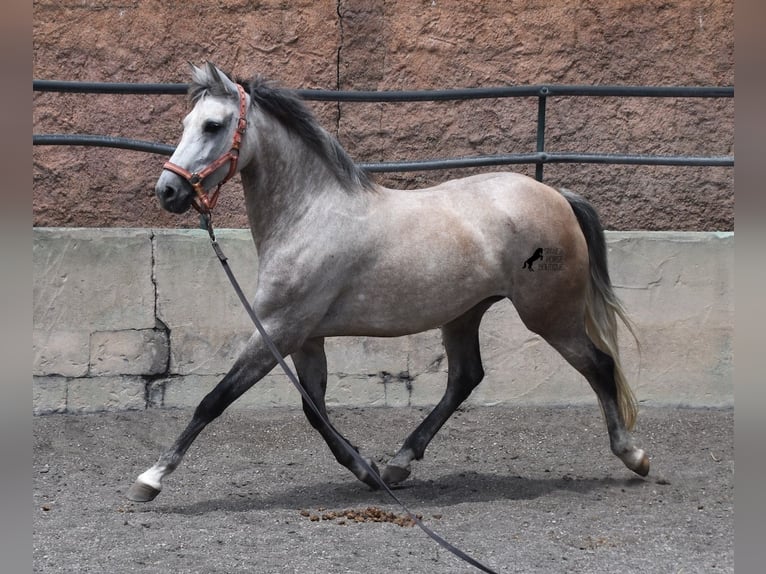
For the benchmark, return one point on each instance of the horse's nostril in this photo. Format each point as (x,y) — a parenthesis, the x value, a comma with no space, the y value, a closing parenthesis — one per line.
(172,197)
(169,193)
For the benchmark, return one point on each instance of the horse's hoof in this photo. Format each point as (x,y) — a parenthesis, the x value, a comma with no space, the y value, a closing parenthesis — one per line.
(141,492)
(369,479)
(643,466)
(393,474)
(637,461)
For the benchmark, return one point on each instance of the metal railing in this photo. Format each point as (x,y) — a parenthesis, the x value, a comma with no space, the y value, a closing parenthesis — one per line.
(539,157)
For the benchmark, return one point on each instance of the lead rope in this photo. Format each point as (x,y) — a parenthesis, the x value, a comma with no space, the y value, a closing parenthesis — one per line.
(207,223)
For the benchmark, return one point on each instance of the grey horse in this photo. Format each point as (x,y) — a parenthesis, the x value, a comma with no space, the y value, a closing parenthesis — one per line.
(342,256)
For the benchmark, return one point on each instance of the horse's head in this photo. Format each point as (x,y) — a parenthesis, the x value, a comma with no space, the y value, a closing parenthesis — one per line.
(208,153)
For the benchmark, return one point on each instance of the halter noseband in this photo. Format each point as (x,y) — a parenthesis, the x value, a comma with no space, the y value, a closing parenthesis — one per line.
(203,202)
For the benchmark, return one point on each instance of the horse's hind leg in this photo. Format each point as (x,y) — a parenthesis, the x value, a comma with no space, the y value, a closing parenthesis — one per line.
(465,372)
(311,366)
(599,369)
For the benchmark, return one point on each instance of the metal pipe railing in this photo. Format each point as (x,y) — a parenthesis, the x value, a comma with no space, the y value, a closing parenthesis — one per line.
(541,92)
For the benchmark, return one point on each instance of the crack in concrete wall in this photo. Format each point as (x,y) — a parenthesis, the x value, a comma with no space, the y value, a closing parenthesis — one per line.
(338,62)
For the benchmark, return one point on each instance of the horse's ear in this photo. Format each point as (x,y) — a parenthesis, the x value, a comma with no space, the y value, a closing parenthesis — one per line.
(219,77)
(198,75)
(212,71)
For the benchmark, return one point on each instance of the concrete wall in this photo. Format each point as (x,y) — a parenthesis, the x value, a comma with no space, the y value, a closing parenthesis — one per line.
(141,318)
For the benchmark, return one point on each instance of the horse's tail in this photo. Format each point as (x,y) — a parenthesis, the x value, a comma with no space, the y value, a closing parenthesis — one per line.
(602,307)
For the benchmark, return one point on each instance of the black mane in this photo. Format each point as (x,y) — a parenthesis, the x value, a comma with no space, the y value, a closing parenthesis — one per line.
(290,110)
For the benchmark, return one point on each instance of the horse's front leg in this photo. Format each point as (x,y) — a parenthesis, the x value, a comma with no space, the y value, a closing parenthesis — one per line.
(250,367)
(311,365)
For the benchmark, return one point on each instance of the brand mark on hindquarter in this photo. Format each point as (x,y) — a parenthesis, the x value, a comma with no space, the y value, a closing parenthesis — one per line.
(547,259)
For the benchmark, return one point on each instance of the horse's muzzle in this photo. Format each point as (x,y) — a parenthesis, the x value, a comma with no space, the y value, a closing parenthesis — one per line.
(174,193)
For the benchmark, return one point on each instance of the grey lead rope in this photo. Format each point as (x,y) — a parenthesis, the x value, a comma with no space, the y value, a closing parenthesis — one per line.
(207,224)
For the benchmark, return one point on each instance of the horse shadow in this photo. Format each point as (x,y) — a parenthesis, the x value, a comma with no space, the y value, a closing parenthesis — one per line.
(444,491)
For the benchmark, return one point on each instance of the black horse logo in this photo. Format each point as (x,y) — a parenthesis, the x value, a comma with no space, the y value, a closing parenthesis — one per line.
(538,254)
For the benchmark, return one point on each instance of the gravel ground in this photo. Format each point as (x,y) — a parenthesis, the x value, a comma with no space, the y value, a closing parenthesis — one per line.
(520,489)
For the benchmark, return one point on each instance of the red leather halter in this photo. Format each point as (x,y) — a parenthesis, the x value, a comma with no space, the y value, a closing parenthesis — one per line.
(203,202)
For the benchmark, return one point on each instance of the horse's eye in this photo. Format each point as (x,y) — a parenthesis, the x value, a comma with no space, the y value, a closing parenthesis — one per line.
(212,127)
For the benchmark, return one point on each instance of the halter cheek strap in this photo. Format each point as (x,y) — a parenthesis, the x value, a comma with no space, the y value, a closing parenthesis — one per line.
(203,202)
